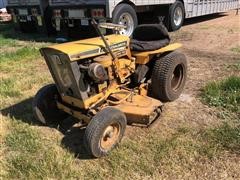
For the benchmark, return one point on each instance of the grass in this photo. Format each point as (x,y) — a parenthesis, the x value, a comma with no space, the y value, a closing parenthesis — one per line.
(20,54)
(226,137)
(7,42)
(7,88)
(223,94)
(29,157)
(31,151)
(236,49)
(181,151)
(234,67)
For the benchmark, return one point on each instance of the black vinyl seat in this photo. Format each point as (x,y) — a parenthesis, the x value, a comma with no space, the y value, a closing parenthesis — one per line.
(149,37)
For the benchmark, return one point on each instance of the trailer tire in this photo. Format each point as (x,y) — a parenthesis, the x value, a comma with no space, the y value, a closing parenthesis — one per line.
(28,27)
(125,14)
(48,22)
(176,16)
(45,108)
(105,131)
(169,76)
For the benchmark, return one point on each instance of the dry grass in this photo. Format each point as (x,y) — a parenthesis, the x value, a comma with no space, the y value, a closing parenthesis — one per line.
(31,151)
(236,49)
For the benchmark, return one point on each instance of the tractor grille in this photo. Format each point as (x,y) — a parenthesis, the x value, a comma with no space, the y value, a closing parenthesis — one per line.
(66,74)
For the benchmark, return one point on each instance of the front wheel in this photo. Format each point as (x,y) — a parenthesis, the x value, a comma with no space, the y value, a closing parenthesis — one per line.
(125,14)
(169,76)
(104,131)
(44,105)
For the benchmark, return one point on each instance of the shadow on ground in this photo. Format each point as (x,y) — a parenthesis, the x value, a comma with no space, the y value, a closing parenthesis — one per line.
(73,141)
(21,111)
(7,30)
(73,134)
(200,19)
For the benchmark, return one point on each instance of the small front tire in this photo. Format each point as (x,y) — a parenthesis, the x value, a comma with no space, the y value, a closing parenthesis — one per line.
(105,131)
(44,105)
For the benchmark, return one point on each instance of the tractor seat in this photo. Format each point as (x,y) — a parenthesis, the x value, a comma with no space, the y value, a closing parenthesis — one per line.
(149,37)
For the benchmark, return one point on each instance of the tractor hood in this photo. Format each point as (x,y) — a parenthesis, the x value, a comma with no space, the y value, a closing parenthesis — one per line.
(86,48)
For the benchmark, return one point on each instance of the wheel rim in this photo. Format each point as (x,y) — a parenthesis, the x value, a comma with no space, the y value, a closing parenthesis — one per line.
(177,77)
(110,136)
(178,16)
(126,20)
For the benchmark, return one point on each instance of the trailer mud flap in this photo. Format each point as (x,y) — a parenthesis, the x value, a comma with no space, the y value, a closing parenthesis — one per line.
(14,18)
(58,24)
(39,21)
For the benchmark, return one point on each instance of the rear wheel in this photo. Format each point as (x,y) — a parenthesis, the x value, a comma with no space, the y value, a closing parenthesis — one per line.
(176,16)
(44,105)
(169,76)
(125,14)
(104,131)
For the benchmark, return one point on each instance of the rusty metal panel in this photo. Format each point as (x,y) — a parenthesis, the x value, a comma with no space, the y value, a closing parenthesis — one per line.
(139,109)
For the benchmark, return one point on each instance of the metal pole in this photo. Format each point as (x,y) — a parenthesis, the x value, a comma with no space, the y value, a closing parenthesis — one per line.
(95,25)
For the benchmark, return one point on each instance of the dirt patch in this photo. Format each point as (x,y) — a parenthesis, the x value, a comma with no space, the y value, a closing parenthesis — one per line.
(208,53)
(207,46)
(208,60)
(218,34)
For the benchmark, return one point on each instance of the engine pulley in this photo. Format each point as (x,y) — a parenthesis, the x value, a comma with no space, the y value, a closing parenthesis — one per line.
(97,72)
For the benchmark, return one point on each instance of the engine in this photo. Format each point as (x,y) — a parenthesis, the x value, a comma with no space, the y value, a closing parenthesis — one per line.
(87,77)
(82,69)
(94,76)
(99,72)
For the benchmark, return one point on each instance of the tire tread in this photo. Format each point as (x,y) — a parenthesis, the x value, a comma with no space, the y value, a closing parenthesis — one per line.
(161,70)
(95,127)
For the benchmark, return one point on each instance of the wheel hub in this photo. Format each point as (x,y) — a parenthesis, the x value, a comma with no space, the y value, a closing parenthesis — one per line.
(177,77)
(110,136)
(126,20)
(178,16)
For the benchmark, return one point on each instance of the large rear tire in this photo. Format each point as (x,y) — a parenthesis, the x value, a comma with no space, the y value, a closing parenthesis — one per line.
(44,106)
(126,15)
(105,131)
(169,76)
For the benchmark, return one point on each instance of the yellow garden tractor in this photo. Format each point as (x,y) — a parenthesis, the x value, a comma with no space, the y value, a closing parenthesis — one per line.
(110,81)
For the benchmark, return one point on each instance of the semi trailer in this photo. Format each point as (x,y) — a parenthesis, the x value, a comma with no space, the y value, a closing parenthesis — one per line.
(31,15)
(72,18)
(76,14)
